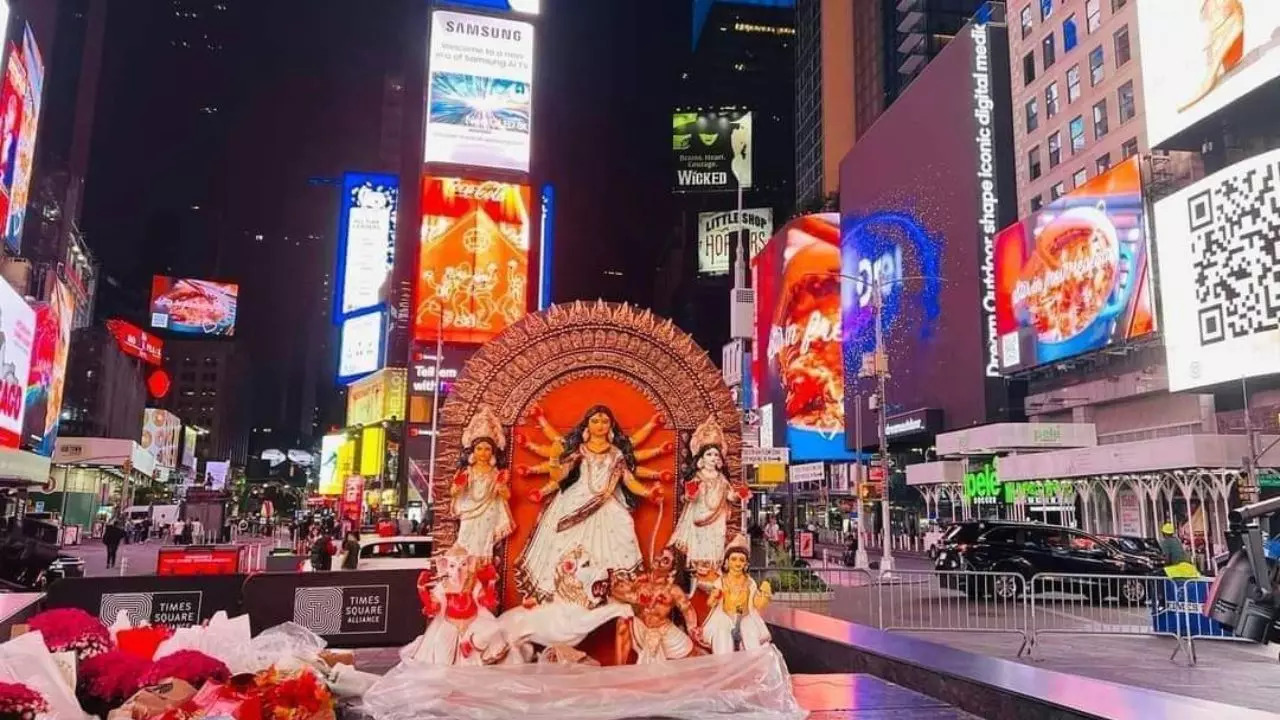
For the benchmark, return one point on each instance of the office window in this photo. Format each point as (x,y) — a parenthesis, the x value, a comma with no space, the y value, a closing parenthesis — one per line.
(1033,163)
(1099,119)
(1046,9)
(1096,70)
(1036,203)
(1122,46)
(1029,68)
(1079,178)
(1026,21)
(1125,94)
(1051,98)
(1129,148)
(1055,149)
(1102,164)
(1076,129)
(1047,50)
(1073,84)
(1093,14)
(1033,116)
(1056,191)
(1069,34)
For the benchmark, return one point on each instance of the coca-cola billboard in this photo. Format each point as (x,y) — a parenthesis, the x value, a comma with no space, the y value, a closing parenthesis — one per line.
(801,374)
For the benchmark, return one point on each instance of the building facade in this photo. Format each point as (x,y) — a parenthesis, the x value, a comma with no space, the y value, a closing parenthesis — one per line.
(106,389)
(206,392)
(825,96)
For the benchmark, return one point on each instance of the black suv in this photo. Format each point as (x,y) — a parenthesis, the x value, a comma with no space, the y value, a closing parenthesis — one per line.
(1028,549)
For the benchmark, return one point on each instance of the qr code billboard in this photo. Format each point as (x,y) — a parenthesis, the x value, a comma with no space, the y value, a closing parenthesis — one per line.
(1218,253)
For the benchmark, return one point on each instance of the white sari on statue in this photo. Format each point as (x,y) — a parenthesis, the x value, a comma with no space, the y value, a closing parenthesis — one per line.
(608,533)
(700,531)
(484,518)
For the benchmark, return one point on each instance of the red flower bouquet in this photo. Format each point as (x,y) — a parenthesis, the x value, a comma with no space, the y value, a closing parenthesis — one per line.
(111,678)
(191,666)
(269,695)
(72,629)
(19,702)
(143,641)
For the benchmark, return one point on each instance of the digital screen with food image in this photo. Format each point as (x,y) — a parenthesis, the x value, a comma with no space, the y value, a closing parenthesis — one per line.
(193,307)
(797,279)
(1075,277)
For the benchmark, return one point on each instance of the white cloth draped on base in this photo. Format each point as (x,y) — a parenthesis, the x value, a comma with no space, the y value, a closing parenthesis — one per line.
(751,685)
(608,534)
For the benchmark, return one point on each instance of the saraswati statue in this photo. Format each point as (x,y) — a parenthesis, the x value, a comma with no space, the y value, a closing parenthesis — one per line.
(595,481)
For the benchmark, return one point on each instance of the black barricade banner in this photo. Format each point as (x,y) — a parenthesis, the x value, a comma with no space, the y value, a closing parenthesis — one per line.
(173,600)
(365,608)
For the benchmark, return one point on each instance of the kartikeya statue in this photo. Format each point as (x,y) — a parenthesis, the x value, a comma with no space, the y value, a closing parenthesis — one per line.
(594,477)
(734,622)
(700,531)
(481,488)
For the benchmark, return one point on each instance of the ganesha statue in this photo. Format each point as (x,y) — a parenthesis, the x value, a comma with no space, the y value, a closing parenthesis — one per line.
(481,487)
(458,596)
(700,532)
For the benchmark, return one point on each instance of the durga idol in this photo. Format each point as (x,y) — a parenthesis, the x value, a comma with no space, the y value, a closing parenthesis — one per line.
(594,483)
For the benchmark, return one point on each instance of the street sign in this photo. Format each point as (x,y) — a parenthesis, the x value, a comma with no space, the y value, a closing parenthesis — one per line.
(1269,481)
(808,474)
(763,456)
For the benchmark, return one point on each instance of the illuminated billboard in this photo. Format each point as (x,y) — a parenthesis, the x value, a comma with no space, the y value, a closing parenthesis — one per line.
(479,91)
(189,439)
(361,345)
(1199,57)
(161,432)
(1219,269)
(366,241)
(473,262)
(47,378)
(797,282)
(712,150)
(20,101)
(337,459)
(380,396)
(718,230)
(922,195)
(135,341)
(193,307)
(525,7)
(1075,277)
(17,340)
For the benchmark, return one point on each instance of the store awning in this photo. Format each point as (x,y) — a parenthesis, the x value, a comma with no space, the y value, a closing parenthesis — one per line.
(935,473)
(1000,438)
(1141,456)
(19,468)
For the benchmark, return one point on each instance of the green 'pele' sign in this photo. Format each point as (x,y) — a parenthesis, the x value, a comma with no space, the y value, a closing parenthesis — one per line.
(984,488)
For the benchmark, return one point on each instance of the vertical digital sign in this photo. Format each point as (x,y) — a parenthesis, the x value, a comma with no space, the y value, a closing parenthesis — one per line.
(366,241)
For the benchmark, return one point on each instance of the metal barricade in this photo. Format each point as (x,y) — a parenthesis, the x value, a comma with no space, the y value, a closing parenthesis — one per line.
(1183,603)
(953,601)
(1087,604)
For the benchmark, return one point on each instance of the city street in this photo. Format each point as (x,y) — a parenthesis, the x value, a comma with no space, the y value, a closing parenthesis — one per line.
(137,558)
(1105,640)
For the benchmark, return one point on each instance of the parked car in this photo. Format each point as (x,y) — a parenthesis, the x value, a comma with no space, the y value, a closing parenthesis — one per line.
(387,553)
(1135,545)
(1021,551)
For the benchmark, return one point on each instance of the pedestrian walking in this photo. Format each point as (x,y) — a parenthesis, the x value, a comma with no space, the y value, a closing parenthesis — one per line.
(112,537)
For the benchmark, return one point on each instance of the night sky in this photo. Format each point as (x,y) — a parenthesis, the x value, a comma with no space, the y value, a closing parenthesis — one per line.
(208,130)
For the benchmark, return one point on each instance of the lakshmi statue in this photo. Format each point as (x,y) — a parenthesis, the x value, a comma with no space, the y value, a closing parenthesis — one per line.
(481,488)
(654,596)
(734,622)
(458,596)
(594,481)
(700,531)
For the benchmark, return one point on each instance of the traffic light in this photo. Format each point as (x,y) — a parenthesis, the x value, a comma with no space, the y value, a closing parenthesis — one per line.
(872,490)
